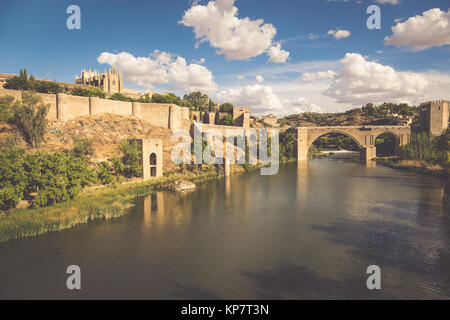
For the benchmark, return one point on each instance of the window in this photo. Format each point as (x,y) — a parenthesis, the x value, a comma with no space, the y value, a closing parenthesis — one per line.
(153,159)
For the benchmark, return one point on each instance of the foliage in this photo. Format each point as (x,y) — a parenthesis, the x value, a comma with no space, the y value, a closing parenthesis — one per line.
(426,147)
(130,163)
(83,147)
(21,82)
(386,144)
(197,99)
(120,97)
(166,98)
(335,141)
(88,92)
(30,116)
(105,172)
(46,87)
(7,105)
(12,177)
(226,108)
(55,177)
(227,120)
(287,146)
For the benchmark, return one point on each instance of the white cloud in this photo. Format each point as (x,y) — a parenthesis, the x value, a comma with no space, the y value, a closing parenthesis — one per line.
(259,98)
(217,23)
(259,78)
(263,100)
(393,2)
(161,68)
(430,29)
(360,81)
(301,105)
(339,33)
(200,61)
(320,75)
(277,55)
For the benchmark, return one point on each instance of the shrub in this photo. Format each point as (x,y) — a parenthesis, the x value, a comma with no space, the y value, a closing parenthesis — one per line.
(30,116)
(88,92)
(129,165)
(55,177)
(105,173)
(7,106)
(83,147)
(12,177)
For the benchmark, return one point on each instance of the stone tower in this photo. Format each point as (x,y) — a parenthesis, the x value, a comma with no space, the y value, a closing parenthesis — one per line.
(434,116)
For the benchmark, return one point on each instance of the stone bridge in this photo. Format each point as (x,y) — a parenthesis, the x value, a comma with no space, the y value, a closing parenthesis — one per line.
(364,136)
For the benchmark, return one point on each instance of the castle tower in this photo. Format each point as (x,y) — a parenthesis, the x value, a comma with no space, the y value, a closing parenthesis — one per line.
(434,116)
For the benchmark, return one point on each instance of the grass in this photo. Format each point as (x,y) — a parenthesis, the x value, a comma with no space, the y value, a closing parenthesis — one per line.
(415,166)
(94,203)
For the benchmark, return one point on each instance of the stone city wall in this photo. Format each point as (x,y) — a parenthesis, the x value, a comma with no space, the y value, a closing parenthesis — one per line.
(66,107)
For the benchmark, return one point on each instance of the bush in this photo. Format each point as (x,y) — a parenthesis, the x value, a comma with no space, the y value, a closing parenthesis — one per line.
(55,177)
(425,147)
(105,173)
(129,165)
(30,116)
(227,120)
(12,177)
(7,106)
(121,97)
(83,147)
(88,92)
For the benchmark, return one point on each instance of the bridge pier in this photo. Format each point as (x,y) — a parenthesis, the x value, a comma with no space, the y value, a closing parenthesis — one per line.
(368,153)
(302,144)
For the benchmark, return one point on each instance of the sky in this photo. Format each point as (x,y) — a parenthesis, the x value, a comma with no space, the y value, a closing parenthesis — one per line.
(278,57)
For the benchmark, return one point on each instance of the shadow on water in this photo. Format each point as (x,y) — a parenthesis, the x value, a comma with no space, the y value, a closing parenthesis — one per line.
(289,281)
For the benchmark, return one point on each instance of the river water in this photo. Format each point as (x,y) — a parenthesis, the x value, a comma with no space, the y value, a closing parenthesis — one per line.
(309,232)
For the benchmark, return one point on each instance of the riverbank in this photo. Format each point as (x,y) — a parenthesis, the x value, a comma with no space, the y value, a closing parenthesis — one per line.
(93,203)
(415,166)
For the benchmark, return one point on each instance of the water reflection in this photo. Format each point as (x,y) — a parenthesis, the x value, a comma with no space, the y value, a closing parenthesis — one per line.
(308,232)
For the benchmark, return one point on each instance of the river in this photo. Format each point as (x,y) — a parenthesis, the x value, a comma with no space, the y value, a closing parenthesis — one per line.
(308,232)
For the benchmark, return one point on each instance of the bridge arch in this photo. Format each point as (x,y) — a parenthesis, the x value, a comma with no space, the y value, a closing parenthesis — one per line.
(317,136)
(387,146)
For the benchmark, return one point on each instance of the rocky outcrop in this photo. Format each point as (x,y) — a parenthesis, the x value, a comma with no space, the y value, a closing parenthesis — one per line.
(182,185)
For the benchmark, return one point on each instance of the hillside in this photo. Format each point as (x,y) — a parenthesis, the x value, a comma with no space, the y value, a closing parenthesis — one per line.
(106,131)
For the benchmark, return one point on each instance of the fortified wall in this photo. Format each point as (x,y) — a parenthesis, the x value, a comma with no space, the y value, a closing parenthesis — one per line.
(66,107)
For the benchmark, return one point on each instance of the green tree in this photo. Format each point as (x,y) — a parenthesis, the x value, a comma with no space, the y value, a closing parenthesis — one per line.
(20,82)
(105,172)
(166,98)
(55,177)
(226,108)
(88,92)
(12,177)
(83,147)
(227,120)
(287,146)
(120,97)
(46,86)
(131,159)
(7,106)
(30,117)
(197,99)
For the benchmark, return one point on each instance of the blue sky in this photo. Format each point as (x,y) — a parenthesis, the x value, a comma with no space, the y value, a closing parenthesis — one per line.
(34,36)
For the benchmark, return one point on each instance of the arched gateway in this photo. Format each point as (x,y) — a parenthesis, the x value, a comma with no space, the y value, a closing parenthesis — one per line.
(364,136)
